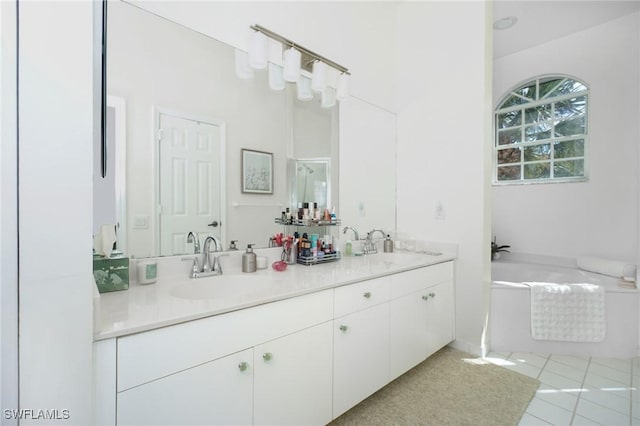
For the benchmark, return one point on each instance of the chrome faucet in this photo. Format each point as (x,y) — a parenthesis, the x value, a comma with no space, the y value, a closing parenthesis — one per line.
(369,245)
(355,231)
(209,265)
(206,253)
(192,237)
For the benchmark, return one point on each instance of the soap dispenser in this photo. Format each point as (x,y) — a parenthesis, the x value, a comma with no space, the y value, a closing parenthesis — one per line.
(388,244)
(249,262)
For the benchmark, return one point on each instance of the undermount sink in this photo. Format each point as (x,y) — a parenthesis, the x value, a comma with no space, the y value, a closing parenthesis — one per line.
(218,287)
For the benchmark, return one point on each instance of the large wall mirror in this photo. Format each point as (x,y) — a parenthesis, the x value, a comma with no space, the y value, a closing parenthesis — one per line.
(186,118)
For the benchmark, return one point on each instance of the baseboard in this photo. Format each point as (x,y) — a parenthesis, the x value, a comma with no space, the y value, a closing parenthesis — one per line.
(468,347)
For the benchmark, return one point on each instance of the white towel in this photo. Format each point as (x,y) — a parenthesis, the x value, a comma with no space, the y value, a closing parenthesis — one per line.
(568,312)
(612,268)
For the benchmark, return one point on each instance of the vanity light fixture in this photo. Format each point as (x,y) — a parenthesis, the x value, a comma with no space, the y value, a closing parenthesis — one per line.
(311,72)
(258,50)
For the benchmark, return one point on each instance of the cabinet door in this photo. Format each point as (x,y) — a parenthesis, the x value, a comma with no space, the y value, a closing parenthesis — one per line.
(440,316)
(408,332)
(361,356)
(292,378)
(215,393)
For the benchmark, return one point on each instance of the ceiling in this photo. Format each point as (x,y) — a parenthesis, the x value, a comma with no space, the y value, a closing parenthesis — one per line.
(543,21)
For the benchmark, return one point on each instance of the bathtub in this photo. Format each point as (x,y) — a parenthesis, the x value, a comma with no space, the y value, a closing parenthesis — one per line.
(509,318)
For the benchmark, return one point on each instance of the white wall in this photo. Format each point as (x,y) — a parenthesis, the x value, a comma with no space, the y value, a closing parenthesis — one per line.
(444,131)
(8,212)
(600,216)
(56,106)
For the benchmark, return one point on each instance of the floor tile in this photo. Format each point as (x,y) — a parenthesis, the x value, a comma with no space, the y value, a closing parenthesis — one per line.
(529,420)
(572,360)
(561,382)
(529,359)
(548,412)
(565,370)
(497,358)
(615,400)
(566,400)
(611,373)
(601,382)
(582,421)
(600,414)
(527,370)
(623,365)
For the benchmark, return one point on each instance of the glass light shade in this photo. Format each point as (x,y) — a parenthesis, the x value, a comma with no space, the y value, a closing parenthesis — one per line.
(304,89)
(291,71)
(276,82)
(342,90)
(258,49)
(243,70)
(328,97)
(319,76)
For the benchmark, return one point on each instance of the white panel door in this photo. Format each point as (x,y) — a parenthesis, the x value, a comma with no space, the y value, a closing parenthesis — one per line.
(440,316)
(360,356)
(219,392)
(408,331)
(292,378)
(189,181)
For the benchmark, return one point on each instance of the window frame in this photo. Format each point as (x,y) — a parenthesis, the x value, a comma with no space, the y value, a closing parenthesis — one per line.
(523,144)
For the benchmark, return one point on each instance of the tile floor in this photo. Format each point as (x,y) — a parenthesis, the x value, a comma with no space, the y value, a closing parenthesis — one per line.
(578,390)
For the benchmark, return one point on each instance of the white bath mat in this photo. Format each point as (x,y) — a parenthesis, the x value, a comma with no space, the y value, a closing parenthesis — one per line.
(568,312)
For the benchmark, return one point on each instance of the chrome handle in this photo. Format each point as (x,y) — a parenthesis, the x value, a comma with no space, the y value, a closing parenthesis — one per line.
(243,366)
(425,297)
(432,295)
(214,224)
(367,295)
(267,356)
(343,328)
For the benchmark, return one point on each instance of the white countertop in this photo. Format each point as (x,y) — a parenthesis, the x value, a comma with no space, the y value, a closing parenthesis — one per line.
(176,298)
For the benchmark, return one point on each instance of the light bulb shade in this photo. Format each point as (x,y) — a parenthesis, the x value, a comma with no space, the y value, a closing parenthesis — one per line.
(319,76)
(342,89)
(291,71)
(258,50)
(328,98)
(276,82)
(304,89)
(243,70)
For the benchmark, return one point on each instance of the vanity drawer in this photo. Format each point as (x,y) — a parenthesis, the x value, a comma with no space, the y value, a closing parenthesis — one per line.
(157,353)
(355,297)
(417,279)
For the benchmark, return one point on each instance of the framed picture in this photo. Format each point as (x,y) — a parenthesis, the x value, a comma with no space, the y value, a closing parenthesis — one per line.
(257,172)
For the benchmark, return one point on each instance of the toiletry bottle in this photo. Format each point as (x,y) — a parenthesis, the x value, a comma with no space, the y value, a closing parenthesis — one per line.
(333,214)
(347,249)
(388,245)
(249,262)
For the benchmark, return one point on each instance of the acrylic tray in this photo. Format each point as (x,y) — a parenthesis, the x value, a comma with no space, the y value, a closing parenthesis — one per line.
(302,260)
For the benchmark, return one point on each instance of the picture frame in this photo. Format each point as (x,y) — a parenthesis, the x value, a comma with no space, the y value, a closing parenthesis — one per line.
(257,172)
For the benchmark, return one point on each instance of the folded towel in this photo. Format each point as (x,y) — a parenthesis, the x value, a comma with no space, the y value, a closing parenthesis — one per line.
(612,268)
(568,312)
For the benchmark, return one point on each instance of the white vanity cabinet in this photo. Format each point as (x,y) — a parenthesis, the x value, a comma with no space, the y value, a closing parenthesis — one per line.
(217,392)
(292,378)
(360,342)
(420,315)
(302,360)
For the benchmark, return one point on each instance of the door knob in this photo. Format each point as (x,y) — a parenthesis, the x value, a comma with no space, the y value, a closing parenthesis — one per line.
(243,366)
(432,295)
(267,356)
(215,224)
(425,297)
(367,295)
(343,328)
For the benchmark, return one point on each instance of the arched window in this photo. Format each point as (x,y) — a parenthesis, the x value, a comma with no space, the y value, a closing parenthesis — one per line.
(541,132)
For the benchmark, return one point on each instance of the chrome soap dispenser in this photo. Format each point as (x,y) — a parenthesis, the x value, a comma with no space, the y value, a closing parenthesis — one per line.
(249,263)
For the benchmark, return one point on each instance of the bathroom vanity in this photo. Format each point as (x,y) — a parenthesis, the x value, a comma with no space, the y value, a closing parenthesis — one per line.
(295,347)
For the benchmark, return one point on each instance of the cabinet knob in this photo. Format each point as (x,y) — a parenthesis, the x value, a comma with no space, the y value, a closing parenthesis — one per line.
(343,328)
(425,297)
(267,356)
(243,366)
(367,294)
(432,295)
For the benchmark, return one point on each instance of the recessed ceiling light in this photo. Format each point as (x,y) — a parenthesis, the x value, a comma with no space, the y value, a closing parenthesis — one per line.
(505,23)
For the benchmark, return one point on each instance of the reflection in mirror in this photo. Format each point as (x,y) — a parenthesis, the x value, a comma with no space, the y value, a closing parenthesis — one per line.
(159,67)
(313,182)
